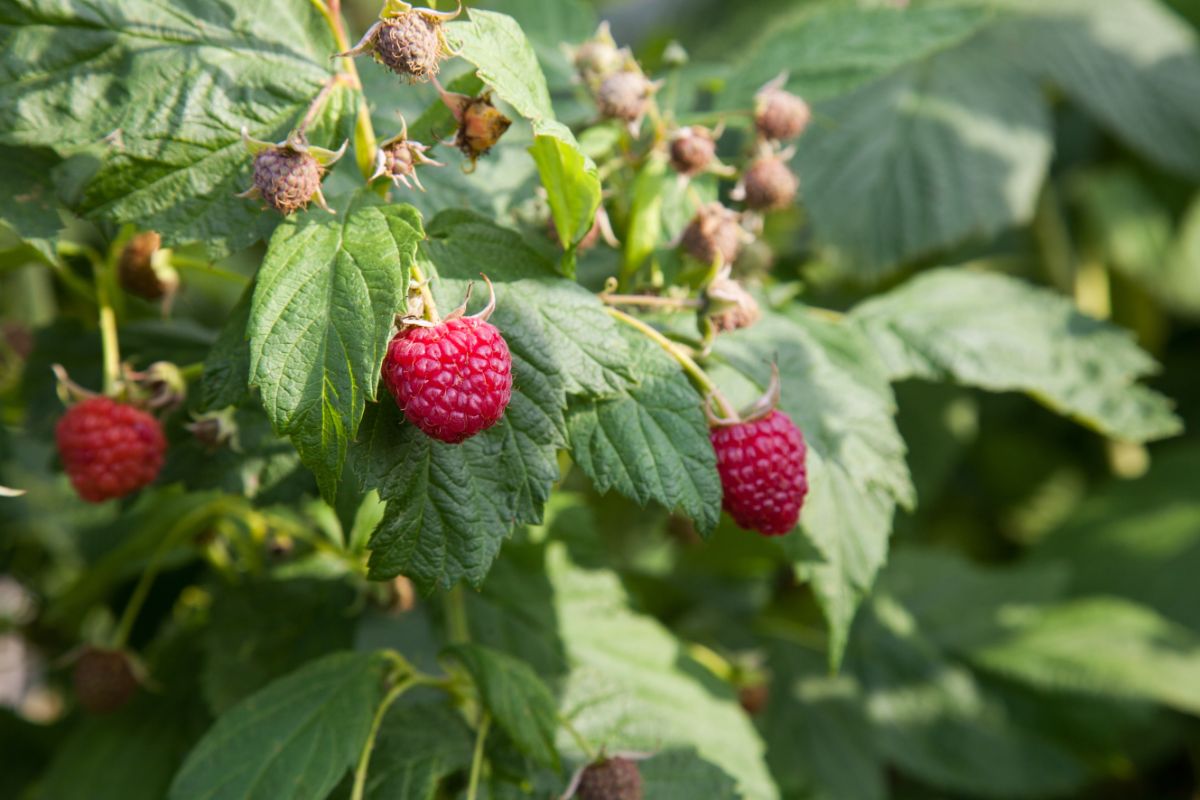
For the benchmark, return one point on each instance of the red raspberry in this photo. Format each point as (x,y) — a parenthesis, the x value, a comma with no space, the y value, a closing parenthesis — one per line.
(452,380)
(104,680)
(109,449)
(613,778)
(761,464)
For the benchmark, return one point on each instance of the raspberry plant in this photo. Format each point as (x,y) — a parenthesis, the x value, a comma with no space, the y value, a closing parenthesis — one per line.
(374,381)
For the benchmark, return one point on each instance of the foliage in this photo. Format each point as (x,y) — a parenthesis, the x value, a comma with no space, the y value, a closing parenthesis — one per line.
(981,310)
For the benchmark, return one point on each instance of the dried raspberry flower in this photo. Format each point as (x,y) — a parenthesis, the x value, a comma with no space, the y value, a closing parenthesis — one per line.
(715,233)
(728,304)
(409,41)
(144,269)
(399,157)
(599,57)
(288,175)
(768,185)
(780,115)
(626,96)
(480,123)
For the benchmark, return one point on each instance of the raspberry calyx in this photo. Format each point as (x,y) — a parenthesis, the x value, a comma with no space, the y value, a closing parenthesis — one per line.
(453,378)
(287,175)
(407,40)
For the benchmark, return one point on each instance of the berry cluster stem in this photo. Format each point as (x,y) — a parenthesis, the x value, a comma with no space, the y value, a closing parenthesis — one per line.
(430,311)
(365,141)
(108,331)
(364,758)
(477,758)
(694,370)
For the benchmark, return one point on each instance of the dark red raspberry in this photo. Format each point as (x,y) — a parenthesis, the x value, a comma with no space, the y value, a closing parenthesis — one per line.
(769,185)
(104,680)
(613,778)
(287,178)
(761,464)
(452,380)
(109,449)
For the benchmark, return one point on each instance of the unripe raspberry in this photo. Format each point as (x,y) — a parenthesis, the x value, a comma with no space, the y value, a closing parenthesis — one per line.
(109,449)
(693,150)
(409,45)
(398,159)
(596,59)
(713,233)
(287,179)
(624,96)
(138,272)
(481,126)
(769,185)
(104,680)
(762,469)
(780,115)
(452,380)
(614,778)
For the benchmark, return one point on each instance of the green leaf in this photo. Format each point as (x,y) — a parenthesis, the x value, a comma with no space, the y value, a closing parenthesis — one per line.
(293,740)
(575,332)
(645,214)
(819,742)
(160,91)
(418,746)
(684,775)
(515,696)
(260,631)
(506,62)
(835,389)
(323,309)
(827,50)
(27,202)
(1139,540)
(1130,63)
(1101,645)
(226,377)
(954,147)
(572,188)
(651,444)
(624,680)
(1000,334)
(934,720)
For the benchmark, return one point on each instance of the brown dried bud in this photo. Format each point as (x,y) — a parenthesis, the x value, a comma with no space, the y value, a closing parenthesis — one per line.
(728,305)
(480,123)
(398,159)
(105,680)
(768,185)
(286,178)
(715,232)
(614,778)
(143,275)
(410,45)
(625,96)
(693,150)
(780,115)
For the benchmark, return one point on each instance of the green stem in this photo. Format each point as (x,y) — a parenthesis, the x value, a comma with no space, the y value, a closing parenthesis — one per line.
(192,371)
(694,370)
(430,311)
(184,526)
(579,738)
(108,331)
(457,629)
(199,265)
(677,303)
(477,758)
(364,759)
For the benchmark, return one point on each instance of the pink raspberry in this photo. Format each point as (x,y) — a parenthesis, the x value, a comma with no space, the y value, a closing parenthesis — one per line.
(452,380)
(761,464)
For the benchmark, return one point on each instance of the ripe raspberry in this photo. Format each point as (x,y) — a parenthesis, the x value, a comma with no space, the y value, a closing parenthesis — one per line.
(104,680)
(613,778)
(761,464)
(624,96)
(452,380)
(109,449)
(286,178)
(780,115)
(769,185)
(714,232)
(410,45)
(693,150)
(139,274)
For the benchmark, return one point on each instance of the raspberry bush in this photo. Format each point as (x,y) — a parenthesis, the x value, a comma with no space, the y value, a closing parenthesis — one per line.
(753,401)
